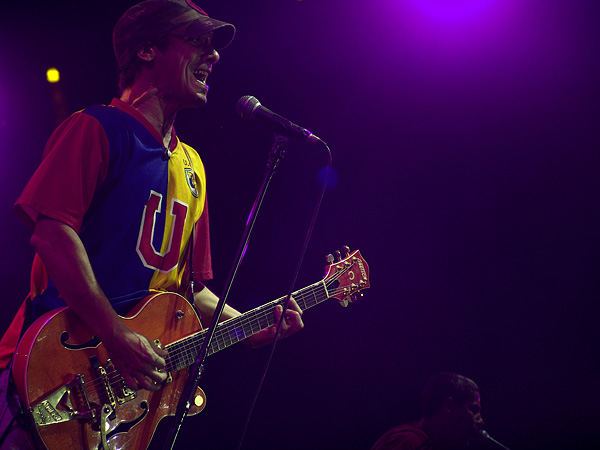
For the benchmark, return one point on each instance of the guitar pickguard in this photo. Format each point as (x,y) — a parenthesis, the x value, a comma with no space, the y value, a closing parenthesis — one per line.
(124,427)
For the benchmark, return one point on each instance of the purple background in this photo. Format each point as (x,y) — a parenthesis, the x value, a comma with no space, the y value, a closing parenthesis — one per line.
(465,136)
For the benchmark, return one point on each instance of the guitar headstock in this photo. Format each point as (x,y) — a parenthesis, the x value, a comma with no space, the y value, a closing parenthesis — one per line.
(346,277)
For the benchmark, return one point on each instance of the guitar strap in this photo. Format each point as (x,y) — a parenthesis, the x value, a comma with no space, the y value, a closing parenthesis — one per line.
(191,291)
(191,263)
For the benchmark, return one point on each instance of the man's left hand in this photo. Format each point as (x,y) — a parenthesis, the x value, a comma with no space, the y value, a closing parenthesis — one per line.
(291,323)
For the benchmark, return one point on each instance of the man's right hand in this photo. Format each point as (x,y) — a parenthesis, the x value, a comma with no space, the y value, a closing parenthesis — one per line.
(139,361)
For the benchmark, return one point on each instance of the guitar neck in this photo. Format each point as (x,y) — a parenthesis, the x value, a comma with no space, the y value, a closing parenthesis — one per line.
(184,352)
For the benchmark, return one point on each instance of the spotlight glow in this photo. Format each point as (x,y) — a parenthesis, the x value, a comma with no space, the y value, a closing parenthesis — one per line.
(53,75)
(451,31)
(453,10)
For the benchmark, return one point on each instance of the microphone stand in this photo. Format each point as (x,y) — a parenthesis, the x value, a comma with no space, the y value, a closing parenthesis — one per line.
(196,370)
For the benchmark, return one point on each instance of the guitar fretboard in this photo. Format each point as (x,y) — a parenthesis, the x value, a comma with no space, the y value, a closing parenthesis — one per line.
(184,352)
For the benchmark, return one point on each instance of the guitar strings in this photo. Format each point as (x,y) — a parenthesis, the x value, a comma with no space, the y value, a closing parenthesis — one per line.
(182,353)
(253,317)
(230,332)
(255,320)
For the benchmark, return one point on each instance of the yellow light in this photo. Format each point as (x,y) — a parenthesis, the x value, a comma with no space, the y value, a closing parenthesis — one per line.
(53,75)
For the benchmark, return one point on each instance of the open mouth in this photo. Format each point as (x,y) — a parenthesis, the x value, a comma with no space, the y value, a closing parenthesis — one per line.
(200,75)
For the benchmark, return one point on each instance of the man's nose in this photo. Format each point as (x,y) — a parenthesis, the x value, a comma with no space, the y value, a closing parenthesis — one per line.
(479,421)
(212,56)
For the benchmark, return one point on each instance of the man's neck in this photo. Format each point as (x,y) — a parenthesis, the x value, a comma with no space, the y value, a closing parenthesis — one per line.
(150,105)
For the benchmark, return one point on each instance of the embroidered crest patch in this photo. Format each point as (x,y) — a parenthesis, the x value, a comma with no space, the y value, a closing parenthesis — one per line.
(191,181)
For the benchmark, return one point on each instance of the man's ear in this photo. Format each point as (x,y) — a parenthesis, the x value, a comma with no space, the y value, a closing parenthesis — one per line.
(146,53)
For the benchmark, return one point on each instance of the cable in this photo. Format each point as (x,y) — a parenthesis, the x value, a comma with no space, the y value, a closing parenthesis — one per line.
(287,299)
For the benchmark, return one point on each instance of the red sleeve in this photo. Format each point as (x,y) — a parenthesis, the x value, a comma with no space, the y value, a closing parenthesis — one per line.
(74,164)
(202,258)
(403,437)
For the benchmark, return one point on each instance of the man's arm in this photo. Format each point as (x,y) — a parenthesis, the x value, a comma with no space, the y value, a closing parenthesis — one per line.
(206,303)
(68,265)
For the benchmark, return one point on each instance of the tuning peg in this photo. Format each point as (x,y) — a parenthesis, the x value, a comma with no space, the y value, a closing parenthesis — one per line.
(329,258)
(338,256)
(345,251)
(357,296)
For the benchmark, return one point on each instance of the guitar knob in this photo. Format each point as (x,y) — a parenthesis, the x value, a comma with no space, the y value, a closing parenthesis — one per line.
(329,258)
(345,251)
(338,255)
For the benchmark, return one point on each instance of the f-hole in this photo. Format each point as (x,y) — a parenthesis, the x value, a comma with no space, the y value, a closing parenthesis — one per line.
(90,343)
(124,427)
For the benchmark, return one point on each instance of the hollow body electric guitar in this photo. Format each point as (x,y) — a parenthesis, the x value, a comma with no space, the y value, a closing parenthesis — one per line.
(74,397)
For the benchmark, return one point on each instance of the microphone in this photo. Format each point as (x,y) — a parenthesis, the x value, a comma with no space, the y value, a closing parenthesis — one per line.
(248,107)
(485,438)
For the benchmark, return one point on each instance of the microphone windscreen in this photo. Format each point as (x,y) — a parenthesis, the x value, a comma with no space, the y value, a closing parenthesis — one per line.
(246,106)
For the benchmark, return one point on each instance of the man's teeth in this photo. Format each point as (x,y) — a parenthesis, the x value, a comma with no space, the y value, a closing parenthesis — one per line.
(200,75)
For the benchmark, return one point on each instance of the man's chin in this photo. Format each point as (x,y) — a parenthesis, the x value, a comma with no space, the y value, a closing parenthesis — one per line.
(195,102)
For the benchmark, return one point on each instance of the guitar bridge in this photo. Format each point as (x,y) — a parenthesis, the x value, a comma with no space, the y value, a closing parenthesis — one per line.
(122,392)
(58,406)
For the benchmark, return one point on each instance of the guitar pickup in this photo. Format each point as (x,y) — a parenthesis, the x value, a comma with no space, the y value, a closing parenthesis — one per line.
(169,377)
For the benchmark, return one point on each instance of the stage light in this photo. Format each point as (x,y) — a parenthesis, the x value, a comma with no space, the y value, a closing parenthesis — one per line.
(454,10)
(53,75)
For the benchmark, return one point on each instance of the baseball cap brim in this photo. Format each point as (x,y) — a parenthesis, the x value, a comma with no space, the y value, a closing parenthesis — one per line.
(223,32)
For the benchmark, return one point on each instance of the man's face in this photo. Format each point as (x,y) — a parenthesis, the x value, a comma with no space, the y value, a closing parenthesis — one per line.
(182,69)
(467,420)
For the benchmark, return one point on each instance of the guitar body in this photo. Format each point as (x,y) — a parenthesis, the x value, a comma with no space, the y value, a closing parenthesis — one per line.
(57,373)
(75,399)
